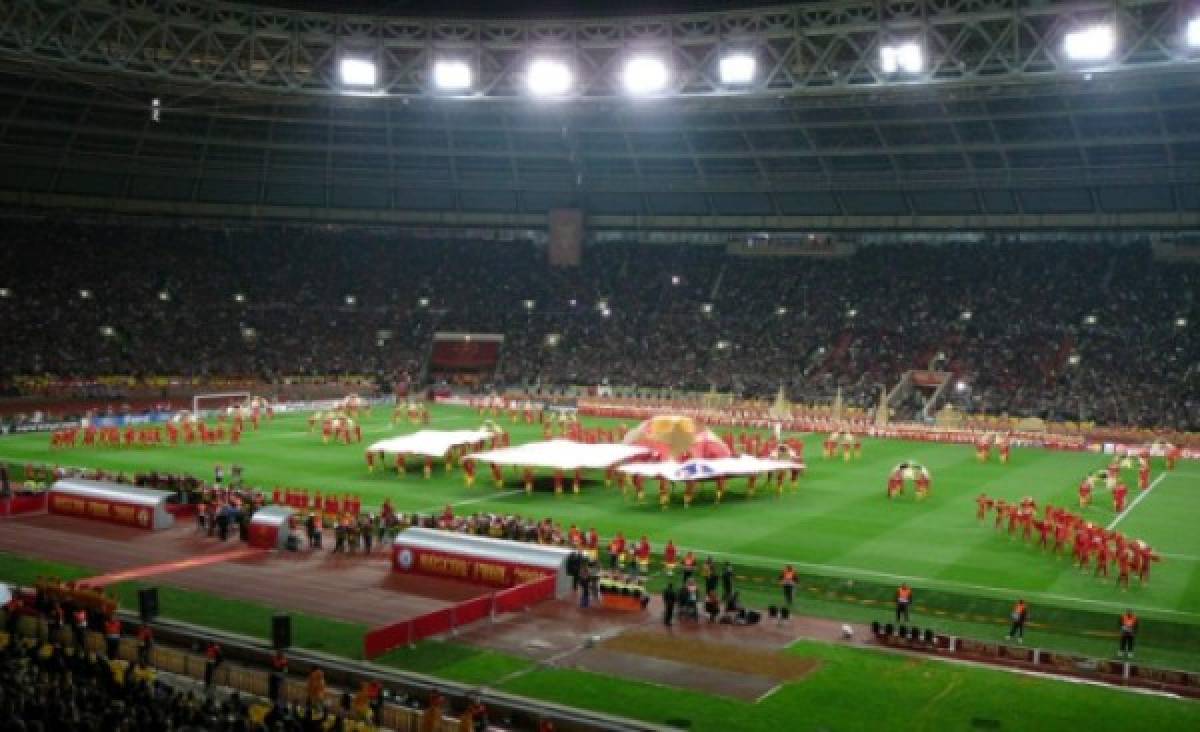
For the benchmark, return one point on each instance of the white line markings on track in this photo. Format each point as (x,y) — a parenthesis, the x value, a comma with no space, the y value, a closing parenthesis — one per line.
(1136,501)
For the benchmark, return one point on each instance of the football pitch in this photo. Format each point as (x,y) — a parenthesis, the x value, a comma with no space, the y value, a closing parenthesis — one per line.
(837,527)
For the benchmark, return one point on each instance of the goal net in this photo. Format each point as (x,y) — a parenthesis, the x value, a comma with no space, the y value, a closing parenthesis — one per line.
(219,402)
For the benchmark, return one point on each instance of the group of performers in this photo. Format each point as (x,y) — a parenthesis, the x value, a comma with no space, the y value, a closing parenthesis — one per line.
(906,473)
(412,412)
(453,458)
(336,427)
(516,411)
(985,443)
(849,444)
(172,434)
(1111,475)
(1060,531)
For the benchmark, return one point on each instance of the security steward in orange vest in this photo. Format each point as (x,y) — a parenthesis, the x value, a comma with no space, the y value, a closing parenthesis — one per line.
(903,602)
(787,580)
(1129,624)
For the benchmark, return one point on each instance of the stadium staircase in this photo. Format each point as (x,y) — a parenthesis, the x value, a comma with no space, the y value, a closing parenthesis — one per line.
(836,355)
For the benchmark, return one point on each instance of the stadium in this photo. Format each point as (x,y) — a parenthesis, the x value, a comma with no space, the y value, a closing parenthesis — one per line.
(648,365)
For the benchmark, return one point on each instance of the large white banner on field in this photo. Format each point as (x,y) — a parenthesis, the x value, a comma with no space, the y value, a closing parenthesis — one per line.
(562,455)
(431,443)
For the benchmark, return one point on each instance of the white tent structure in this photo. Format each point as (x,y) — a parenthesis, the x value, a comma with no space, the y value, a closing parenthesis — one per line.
(430,443)
(562,455)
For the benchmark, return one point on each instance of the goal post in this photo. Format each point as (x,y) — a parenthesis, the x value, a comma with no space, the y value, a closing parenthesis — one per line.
(219,401)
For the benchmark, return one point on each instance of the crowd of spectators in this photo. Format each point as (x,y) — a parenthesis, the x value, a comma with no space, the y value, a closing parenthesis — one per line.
(1059,330)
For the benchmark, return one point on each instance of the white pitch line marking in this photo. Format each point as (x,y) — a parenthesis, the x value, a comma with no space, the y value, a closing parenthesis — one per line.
(934,583)
(1136,501)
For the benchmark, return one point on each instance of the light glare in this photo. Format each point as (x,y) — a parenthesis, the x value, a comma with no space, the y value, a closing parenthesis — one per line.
(645,75)
(737,68)
(1193,33)
(452,75)
(357,72)
(1090,44)
(906,57)
(547,77)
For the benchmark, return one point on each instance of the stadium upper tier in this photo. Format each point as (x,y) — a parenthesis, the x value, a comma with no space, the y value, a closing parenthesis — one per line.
(927,114)
(1062,330)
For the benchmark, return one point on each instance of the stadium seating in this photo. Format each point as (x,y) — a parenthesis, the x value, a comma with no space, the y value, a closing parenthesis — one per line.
(1027,348)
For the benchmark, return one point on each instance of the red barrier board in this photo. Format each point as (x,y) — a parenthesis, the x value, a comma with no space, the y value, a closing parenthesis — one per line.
(22,504)
(383,639)
(465,568)
(103,509)
(522,596)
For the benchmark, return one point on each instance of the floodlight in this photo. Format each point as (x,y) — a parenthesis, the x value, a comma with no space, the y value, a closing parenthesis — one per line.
(572,302)
(852,313)
(1073,359)
(5,292)
(675,279)
(707,307)
(737,68)
(1192,36)
(547,77)
(1089,320)
(605,312)
(1090,44)
(85,294)
(1180,322)
(239,297)
(821,349)
(452,75)
(249,333)
(552,339)
(645,75)
(966,315)
(723,345)
(529,304)
(357,72)
(164,296)
(906,57)
(961,386)
(351,299)
(781,310)
(107,331)
(602,304)
(423,302)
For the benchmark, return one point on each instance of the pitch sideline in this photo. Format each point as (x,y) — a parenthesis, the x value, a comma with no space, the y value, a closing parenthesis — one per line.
(1136,501)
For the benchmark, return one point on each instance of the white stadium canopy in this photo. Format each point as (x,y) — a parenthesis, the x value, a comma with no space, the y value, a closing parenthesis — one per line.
(562,455)
(430,443)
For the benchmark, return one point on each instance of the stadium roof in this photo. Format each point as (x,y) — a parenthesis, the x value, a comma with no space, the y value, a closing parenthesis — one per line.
(1000,130)
(511,8)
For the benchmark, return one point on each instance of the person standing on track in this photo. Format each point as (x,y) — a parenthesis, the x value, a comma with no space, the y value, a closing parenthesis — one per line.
(1020,613)
(787,580)
(1128,625)
(903,602)
(668,598)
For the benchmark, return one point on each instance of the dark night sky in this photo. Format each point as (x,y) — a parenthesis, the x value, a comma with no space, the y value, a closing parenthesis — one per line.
(513,8)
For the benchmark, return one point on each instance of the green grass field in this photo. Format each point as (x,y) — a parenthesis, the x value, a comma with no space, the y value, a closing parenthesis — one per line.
(851,544)
(849,541)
